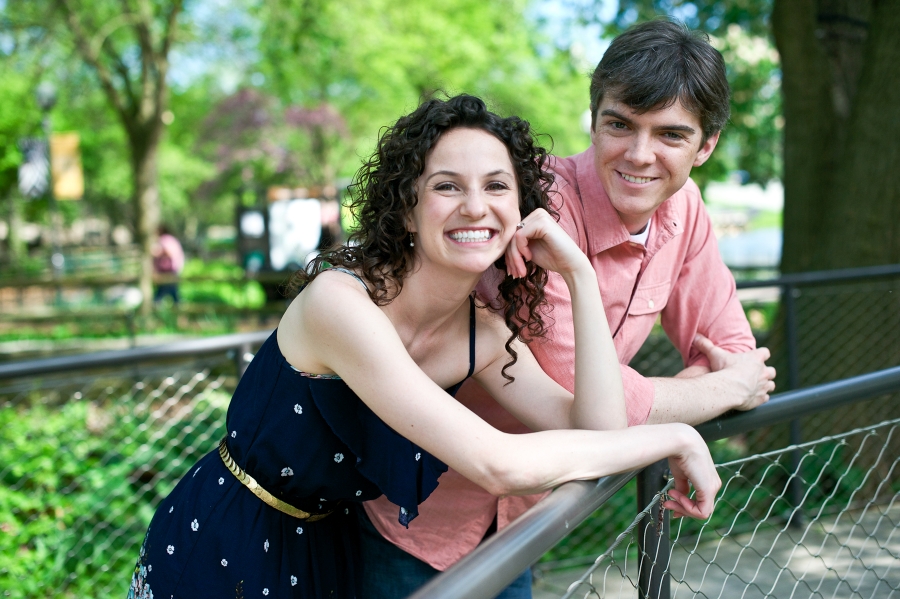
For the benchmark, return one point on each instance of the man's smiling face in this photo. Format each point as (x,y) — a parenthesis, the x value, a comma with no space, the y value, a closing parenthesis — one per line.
(643,159)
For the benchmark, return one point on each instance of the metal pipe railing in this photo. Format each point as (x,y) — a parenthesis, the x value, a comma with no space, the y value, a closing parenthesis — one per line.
(179,349)
(497,562)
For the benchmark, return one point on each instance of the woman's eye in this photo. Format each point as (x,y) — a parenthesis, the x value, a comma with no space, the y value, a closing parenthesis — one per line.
(444,187)
(497,186)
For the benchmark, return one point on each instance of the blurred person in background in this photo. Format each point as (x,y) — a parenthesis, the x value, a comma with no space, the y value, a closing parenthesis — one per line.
(168,261)
(658,99)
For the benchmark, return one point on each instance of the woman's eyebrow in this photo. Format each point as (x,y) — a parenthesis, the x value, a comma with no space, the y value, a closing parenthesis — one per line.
(443,172)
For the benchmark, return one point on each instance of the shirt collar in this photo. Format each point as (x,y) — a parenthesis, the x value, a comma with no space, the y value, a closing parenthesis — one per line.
(603,227)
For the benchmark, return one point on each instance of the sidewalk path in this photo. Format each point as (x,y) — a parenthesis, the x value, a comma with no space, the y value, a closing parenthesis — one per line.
(855,555)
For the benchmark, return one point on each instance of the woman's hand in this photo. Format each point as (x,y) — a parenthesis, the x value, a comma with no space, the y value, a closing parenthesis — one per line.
(694,466)
(541,240)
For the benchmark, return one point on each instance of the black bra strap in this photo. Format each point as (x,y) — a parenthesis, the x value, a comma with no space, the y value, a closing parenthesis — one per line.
(471,335)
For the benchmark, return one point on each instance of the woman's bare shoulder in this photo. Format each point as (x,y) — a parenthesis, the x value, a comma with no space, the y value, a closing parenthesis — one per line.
(326,309)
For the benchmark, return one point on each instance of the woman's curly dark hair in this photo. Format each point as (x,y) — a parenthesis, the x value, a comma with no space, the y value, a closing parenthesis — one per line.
(383,195)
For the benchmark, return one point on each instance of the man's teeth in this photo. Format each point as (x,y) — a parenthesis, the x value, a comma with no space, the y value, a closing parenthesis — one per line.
(631,179)
(470,236)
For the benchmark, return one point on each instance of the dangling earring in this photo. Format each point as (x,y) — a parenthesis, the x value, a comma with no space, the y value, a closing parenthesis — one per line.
(412,240)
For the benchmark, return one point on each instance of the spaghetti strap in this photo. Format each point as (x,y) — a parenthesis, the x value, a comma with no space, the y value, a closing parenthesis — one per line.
(352,274)
(471,335)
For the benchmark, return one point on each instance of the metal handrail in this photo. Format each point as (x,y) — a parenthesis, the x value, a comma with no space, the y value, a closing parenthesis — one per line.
(497,562)
(179,349)
(824,276)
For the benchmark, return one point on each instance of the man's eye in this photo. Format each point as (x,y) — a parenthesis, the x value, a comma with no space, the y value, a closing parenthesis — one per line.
(674,136)
(618,125)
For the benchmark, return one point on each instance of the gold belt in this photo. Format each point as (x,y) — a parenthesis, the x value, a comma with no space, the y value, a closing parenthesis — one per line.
(250,482)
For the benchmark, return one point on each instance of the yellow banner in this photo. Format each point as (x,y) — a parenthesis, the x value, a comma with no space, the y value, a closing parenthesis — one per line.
(65,161)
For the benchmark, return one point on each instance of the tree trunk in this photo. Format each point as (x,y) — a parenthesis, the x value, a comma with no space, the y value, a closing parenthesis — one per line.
(13,241)
(145,198)
(841,90)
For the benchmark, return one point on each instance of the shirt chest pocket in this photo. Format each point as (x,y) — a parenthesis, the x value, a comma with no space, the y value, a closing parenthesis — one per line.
(650,299)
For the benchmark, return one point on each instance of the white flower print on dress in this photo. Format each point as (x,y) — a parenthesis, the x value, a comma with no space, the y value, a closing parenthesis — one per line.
(338,457)
(265,591)
(195,526)
(287,472)
(170,549)
(298,408)
(266,546)
(293,580)
(224,562)
(418,456)
(299,530)
(221,481)
(358,493)
(171,508)
(403,511)
(233,434)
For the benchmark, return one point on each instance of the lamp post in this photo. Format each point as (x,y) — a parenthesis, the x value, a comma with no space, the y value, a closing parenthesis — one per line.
(46,100)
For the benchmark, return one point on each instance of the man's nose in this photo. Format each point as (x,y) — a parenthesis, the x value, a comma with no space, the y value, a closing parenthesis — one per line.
(640,151)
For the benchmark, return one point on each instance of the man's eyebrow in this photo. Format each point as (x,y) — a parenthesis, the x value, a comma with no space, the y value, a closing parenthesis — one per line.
(679,128)
(615,115)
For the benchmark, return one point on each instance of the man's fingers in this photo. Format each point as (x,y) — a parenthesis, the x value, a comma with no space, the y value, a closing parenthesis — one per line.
(704,345)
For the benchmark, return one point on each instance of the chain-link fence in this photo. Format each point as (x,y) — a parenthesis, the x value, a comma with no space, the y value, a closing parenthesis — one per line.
(84,460)
(818,331)
(85,456)
(841,540)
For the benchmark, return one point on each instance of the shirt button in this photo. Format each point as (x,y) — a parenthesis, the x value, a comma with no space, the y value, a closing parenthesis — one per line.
(650,304)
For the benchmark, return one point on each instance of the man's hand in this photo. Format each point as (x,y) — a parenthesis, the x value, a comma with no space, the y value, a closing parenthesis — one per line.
(747,370)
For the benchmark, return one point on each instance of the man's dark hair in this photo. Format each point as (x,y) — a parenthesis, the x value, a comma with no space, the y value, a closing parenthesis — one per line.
(653,64)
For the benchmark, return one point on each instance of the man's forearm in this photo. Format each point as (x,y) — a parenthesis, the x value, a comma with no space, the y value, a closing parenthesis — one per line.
(692,400)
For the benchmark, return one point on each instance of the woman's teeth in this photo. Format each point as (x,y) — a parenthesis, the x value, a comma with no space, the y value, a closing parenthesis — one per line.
(631,179)
(470,236)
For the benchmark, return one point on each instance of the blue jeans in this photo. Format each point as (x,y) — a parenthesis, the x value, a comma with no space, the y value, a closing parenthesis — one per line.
(391,573)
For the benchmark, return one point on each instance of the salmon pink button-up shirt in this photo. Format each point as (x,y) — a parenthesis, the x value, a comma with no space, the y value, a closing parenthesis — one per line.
(678,278)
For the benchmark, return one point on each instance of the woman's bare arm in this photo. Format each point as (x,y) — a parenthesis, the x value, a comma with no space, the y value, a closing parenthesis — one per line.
(354,339)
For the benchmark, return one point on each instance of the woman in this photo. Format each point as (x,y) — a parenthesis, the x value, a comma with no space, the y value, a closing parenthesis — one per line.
(352,396)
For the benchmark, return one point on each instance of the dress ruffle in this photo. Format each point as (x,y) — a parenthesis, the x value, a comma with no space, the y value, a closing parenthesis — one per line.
(403,471)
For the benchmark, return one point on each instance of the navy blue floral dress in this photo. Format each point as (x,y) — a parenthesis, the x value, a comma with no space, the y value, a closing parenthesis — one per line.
(310,442)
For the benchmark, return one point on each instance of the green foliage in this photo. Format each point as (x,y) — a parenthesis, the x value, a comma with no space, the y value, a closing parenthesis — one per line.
(249,294)
(79,488)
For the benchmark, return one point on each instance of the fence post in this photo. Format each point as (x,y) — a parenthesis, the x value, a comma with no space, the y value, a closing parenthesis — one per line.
(795,487)
(653,541)
(242,357)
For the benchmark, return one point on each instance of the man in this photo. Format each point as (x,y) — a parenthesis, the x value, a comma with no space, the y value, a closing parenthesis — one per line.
(659,99)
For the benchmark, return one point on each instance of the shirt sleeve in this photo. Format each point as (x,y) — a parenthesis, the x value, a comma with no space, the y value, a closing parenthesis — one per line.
(704,298)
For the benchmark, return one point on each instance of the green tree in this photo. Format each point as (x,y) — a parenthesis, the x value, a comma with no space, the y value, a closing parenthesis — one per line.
(376,60)
(126,45)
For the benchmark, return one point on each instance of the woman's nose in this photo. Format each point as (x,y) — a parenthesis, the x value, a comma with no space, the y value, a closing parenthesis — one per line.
(475,205)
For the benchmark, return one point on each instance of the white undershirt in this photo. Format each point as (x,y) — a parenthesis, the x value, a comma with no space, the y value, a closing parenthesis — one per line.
(642,237)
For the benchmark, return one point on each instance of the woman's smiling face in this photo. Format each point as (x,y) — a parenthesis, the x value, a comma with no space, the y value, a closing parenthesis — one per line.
(468,202)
